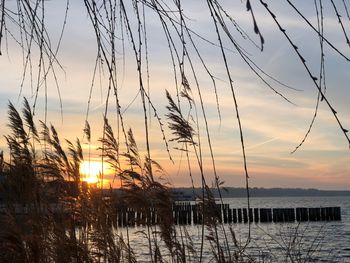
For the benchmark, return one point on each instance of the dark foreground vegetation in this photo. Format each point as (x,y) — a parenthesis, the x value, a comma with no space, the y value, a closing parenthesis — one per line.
(49,215)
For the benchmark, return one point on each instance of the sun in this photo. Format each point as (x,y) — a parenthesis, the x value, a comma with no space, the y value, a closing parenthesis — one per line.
(91,171)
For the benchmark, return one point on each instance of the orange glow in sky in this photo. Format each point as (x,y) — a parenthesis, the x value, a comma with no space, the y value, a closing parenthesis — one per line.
(91,171)
(272,127)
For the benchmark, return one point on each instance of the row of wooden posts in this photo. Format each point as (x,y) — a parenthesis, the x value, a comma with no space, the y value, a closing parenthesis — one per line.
(187,214)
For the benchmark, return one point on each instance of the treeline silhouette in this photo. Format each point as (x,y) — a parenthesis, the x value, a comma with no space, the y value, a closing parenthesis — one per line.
(262,192)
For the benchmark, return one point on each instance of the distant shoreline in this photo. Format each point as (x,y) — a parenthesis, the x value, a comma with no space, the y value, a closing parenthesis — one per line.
(231,192)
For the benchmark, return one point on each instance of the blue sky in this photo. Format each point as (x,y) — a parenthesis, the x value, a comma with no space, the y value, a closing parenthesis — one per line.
(272,127)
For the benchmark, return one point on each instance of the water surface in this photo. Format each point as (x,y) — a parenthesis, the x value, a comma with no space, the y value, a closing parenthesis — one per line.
(273,242)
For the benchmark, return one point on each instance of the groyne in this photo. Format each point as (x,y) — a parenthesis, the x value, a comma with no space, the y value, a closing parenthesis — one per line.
(185,213)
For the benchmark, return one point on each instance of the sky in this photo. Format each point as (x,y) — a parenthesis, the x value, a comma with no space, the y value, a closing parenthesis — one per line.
(272,127)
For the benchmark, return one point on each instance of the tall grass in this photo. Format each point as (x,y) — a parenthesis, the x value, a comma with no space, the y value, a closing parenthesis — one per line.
(53,216)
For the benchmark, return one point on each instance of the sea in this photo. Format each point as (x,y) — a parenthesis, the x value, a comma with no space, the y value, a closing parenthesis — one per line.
(269,242)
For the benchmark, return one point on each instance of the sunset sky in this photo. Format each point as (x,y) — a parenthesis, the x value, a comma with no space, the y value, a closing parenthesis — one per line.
(272,127)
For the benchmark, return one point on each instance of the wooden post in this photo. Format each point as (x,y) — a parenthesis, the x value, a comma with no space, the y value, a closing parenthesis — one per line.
(337,213)
(176,214)
(323,213)
(195,214)
(265,215)
(225,213)
(153,215)
(200,214)
(218,213)
(234,215)
(277,215)
(239,214)
(256,215)
(329,213)
(314,214)
(119,215)
(131,217)
(250,215)
(245,215)
(183,214)
(124,221)
(138,217)
(269,215)
(229,211)
(302,214)
(290,215)
(189,214)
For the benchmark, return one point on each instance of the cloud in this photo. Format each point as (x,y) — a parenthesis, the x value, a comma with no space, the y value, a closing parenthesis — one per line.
(272,127)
